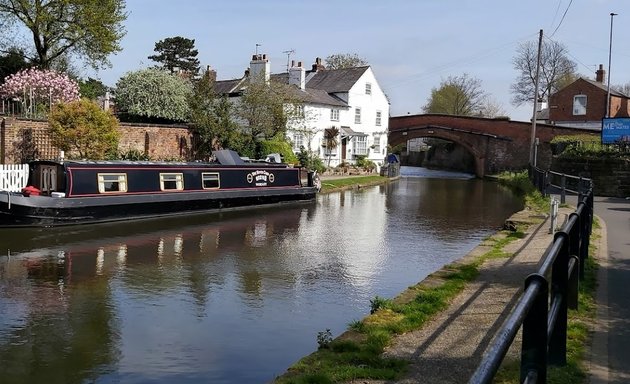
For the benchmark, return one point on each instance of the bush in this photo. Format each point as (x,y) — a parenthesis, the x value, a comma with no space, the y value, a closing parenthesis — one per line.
(310,161)
(82,127)
(366,164)
(154,94)
(278,146)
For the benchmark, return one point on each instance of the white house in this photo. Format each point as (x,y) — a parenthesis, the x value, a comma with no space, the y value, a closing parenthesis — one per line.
(349,100)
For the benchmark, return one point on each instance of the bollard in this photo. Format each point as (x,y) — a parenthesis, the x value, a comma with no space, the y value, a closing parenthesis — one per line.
(554,215)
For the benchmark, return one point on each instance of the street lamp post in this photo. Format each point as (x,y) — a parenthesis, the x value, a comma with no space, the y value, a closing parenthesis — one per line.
(609,60)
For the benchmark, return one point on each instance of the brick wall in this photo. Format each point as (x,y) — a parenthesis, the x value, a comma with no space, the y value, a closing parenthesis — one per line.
(20,138)
(561,103)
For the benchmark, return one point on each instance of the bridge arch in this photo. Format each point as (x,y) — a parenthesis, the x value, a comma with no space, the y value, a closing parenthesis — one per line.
(496,144)
(475,143)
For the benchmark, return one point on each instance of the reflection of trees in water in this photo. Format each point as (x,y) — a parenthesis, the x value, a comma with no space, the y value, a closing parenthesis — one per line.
(68,335)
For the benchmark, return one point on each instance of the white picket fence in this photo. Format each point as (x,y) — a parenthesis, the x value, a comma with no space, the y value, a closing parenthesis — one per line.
(13,177)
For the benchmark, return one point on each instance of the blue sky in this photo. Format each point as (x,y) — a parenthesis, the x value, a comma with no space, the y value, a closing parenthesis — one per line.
(411,45)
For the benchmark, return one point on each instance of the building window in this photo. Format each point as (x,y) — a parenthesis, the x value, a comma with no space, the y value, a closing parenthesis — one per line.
(377,143)
(334,115)
(378,118)
(112,182)
(579,105)
(210,180)
(357,115)
(360,145)
(298,141)
(368,88)
(172,181)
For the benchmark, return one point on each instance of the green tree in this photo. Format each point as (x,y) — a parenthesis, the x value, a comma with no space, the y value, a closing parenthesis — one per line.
(330,141)
(556,71)
(12,62)
(82,127)
(177,52)
(345,60)
(266,108)
(89,29)
(457,95)
(155,95)
(211,118)
(91,88)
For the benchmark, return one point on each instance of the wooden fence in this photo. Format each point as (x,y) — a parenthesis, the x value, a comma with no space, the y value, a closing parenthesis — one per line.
(13,177)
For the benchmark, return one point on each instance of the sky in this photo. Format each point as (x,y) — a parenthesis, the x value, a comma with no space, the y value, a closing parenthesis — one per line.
(412,45)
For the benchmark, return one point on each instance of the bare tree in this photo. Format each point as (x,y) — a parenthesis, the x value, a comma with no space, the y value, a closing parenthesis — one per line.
(556,71)
(457,95)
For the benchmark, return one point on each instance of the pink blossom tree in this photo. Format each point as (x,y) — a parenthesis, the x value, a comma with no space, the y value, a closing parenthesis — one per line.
(36,88)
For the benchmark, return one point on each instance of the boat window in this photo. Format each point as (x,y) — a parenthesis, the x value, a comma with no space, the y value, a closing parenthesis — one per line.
(112,182)
(172,181)
(210,180)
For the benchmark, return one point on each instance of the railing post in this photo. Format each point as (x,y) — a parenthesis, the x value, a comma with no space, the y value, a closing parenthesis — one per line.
(559,285)
(534,347)
(563,189)
(573,283)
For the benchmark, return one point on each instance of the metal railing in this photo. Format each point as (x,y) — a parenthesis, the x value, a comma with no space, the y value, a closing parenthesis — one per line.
(542,309)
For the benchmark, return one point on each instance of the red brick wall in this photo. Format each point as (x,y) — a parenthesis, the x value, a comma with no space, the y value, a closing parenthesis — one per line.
(160,142)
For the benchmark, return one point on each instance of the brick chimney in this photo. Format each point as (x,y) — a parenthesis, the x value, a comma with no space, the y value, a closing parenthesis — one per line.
(211,74)
(318,66)
(600,74)
(297,75)
(260,68)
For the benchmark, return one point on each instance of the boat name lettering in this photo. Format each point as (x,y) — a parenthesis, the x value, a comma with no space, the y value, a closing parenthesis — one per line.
(261,178)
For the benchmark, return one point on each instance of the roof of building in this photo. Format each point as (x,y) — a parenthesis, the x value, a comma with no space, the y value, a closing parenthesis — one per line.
(319,89)
(336,80)
(604,87)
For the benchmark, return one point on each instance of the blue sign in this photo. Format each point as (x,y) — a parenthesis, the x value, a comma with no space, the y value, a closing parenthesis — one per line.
(616,130)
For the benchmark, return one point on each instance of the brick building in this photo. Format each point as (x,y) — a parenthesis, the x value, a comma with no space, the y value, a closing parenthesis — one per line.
(582,104)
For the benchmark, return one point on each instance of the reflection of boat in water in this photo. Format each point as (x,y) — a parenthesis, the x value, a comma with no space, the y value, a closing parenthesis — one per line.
(78,192)
(31,242)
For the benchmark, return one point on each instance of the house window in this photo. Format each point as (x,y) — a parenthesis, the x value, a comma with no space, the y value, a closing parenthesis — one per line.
(357,115)
(368,88)
(112,182)
(172,181)
(334,115)
(298,141)
(579,105)
(378,118)
(377,143)
(210,180)
(360,145)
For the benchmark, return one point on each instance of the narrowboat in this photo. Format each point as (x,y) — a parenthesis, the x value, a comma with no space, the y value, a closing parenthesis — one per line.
(81,192)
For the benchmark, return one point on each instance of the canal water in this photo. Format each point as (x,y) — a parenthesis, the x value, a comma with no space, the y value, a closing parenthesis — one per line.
(226,298)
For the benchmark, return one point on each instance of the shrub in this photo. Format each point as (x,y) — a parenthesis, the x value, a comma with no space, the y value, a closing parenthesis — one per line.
(154,94)
(278,146)
(82,127)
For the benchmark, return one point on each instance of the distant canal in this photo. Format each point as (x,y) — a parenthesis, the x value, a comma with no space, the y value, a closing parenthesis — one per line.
(227,298)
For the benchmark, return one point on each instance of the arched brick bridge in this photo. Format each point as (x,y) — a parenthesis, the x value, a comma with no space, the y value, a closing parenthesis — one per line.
(496,144)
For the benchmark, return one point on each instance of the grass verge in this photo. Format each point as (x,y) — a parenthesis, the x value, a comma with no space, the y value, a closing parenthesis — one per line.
(330,185)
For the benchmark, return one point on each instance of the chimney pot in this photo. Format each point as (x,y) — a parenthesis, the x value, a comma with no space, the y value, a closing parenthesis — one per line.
(600,74)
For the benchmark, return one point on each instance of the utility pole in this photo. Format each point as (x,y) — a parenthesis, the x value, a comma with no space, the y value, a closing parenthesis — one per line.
(609,57)
(288,53)
(532,148)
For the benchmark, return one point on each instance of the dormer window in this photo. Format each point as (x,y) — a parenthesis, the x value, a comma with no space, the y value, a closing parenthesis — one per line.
(579,105)
(368,88)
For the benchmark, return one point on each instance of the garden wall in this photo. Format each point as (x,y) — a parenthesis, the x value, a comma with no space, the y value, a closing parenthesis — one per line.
(611,176)
(27,139)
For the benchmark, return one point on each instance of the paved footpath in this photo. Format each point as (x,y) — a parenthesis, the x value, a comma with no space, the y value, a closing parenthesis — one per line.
(610,357)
